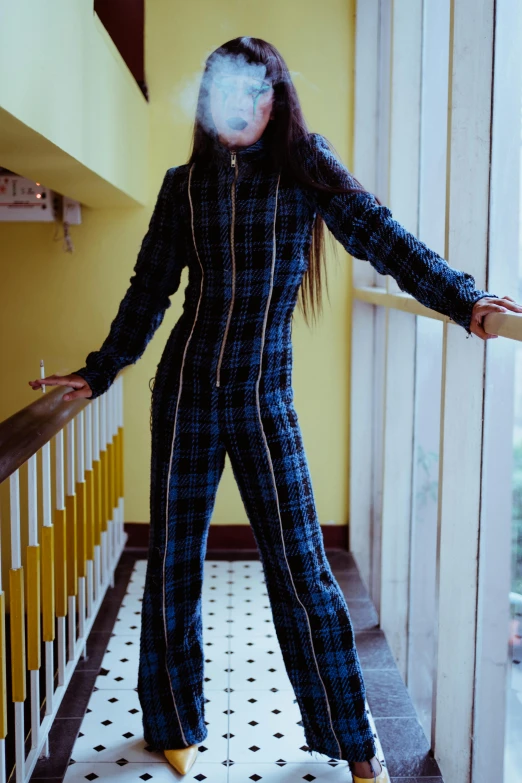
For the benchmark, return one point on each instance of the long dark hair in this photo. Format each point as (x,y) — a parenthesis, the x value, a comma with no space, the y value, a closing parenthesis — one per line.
(284,132)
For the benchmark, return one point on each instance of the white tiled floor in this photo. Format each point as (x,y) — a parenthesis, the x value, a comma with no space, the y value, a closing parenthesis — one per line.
(254,723)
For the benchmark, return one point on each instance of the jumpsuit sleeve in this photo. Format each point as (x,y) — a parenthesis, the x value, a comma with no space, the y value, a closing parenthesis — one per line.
(368,231)
(157,274)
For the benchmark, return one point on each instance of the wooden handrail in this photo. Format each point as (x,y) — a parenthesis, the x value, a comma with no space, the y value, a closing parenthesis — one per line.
(502,324)
(27,430)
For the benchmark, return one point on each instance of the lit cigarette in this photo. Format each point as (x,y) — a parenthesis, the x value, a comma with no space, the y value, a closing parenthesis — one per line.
(42,374)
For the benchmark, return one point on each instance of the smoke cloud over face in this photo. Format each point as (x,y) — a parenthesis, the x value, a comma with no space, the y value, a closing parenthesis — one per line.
(239,101)
(236,99)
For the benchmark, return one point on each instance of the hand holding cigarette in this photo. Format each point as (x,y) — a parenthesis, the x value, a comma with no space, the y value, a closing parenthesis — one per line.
(82,388)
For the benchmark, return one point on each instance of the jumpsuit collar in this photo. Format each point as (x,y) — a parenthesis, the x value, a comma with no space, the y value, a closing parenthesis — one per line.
(254,152)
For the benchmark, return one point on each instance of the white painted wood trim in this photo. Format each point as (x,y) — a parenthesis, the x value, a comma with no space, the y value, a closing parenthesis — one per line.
(365,162)
(503,324)
(80,447)
(46,484)
(397,486)
(405,113)
(14,499)
(70,466)
(396,301)
(366,105)
(378,404)
(493,666)
(383,111)
(433,125)
(384,99)
(469,128)
(60,470)
(422,632)
(361,441)
(366,111)
(88,437)
(32,499)
(96,429)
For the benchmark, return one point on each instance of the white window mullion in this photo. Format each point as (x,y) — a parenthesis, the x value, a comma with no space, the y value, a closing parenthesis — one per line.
(422,632)
(493,614)
(384,99)
(471,62)
(405,107)
(362,332)
(396,500)
(405,114)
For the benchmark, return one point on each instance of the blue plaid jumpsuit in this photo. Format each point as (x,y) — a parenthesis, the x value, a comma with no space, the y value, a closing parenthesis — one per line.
(223,385)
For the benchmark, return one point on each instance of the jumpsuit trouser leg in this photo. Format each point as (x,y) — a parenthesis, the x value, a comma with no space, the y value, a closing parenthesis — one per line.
(185,436)
(311,617)
(263,439)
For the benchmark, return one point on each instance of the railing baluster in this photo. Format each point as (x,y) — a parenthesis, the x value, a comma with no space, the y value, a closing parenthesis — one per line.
(110,455)
(122,475)
(115,512)
(98,510)
(71,527)
(60,526)
(89,482)
(117,429)
(17,627)
(33,599)
(81,511)
(104,486)
(47,565)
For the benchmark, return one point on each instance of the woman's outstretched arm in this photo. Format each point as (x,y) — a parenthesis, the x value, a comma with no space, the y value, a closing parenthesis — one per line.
(156,277)
(368,231)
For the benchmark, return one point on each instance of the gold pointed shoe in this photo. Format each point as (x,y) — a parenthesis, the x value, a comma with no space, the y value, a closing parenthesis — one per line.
(382,777)
(182,759)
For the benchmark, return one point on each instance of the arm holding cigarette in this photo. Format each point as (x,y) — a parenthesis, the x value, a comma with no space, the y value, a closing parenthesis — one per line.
(156,277)
(81,387)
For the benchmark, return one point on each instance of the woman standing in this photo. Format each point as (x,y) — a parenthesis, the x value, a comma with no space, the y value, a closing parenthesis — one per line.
(245,214)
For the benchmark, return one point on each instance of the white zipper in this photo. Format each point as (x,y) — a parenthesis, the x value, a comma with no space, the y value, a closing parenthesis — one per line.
(272,473)
(172,447)
(233,163)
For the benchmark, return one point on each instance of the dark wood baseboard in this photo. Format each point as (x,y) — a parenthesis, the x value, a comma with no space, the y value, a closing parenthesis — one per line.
(234,537)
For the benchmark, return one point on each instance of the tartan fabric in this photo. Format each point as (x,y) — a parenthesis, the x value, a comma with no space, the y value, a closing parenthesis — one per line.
(250,416)
(366,230)
(310,613)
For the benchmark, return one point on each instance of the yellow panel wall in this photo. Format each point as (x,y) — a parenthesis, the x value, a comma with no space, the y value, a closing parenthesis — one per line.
(71,114)
(59,306)
(316,41)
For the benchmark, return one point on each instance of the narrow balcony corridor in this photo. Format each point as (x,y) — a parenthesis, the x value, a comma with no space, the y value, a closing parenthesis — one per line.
(255,731)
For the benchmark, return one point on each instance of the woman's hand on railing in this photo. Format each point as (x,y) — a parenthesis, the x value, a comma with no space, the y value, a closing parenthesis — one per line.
(82,388)
(489,304)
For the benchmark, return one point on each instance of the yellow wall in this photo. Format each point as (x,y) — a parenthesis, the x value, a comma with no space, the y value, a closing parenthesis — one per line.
(59,306)
(71,114)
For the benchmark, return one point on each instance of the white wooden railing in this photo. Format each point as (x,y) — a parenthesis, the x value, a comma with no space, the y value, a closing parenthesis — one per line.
(75,537)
